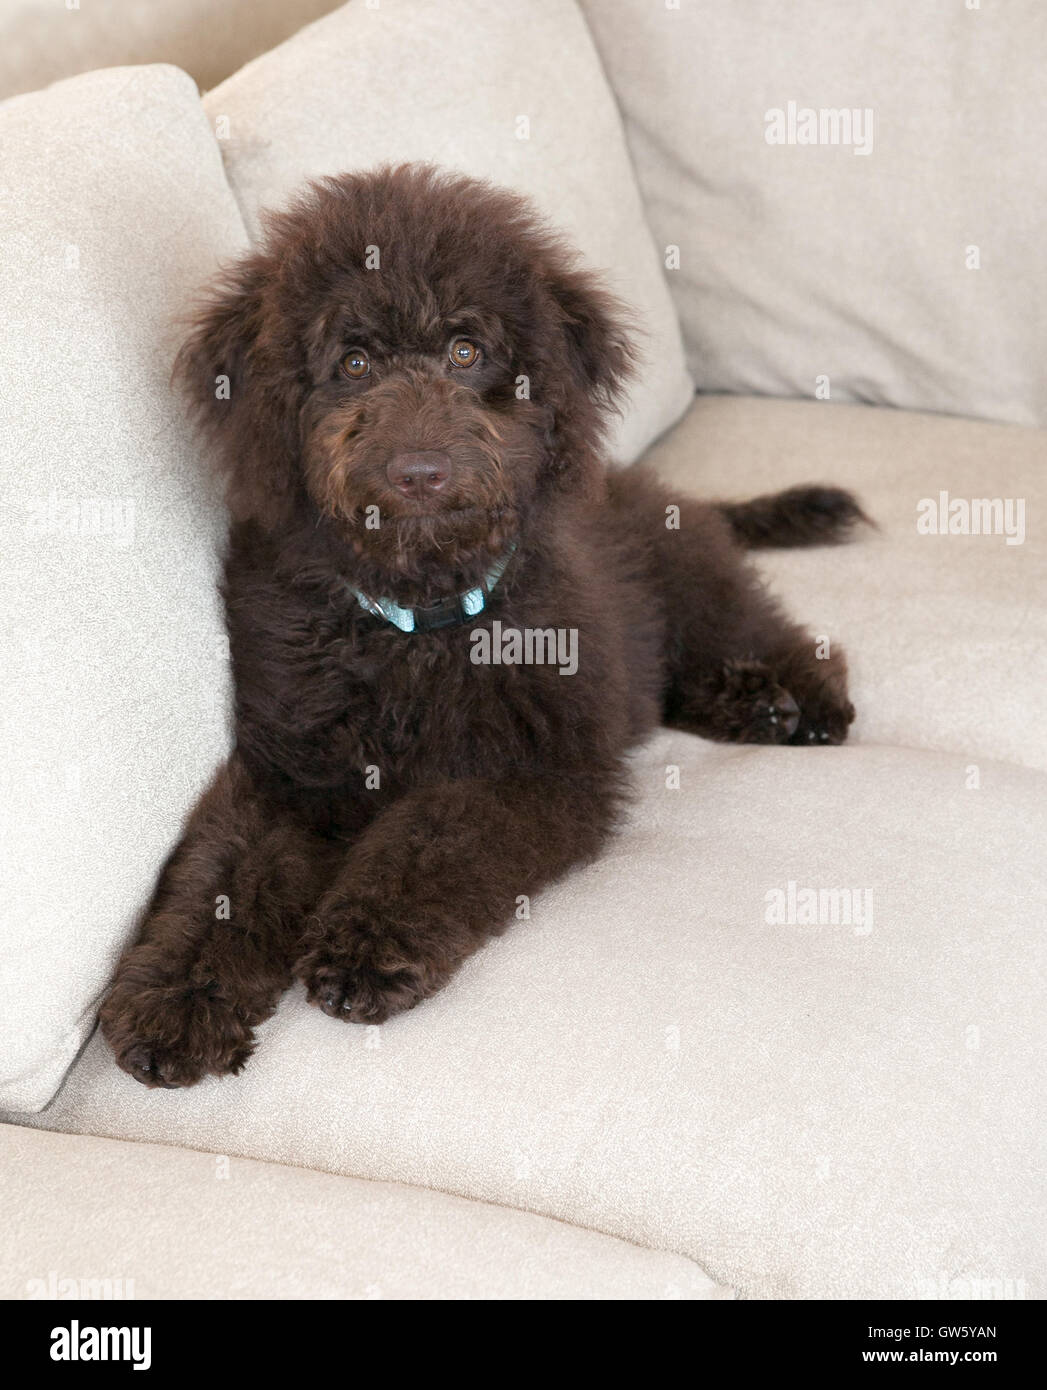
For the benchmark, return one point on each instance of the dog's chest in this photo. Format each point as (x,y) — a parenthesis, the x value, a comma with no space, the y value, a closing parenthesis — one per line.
(466,701)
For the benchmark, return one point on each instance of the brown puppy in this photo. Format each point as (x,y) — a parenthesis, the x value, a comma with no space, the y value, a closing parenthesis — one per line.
(448,625)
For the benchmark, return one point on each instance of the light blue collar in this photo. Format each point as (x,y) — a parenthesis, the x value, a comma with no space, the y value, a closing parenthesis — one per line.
(448,613)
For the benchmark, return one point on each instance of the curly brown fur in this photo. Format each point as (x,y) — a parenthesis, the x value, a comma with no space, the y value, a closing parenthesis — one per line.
(389,803)
(807,515)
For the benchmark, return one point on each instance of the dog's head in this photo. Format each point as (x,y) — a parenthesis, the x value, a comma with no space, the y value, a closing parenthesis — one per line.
(413,356)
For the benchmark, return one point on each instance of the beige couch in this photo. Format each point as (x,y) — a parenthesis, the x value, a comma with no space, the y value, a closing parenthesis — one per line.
(784,1040)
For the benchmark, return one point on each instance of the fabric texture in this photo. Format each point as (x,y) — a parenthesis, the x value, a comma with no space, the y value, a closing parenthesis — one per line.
(115,673)
(828,1109)
(804,265)
(141,1221)
(476,87)
(42,41)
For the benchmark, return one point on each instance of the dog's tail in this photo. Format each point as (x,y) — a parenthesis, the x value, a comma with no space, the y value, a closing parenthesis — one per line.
(807,515)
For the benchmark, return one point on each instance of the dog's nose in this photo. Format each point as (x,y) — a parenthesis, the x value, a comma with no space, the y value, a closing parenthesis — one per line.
(416,475)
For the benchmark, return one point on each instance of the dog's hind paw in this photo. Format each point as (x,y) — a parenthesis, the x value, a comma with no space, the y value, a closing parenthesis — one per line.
(824,721)
(744,704)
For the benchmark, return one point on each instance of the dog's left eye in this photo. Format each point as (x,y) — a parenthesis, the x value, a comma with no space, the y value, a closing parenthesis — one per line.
(464,353)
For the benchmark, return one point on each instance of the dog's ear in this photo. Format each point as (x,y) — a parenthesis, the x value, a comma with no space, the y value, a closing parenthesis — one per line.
(590,368)
(242,397)
(597,331)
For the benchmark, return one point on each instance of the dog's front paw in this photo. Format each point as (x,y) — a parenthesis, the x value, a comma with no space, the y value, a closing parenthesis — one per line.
(365,977)
(168,1035)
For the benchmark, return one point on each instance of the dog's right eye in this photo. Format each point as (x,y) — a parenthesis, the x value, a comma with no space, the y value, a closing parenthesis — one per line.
(356,364)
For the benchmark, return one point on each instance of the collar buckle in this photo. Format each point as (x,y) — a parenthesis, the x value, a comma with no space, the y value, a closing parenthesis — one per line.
(450,613)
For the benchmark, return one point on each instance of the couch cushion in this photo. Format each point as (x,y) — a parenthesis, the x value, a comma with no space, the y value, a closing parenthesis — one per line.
(160,1222)
(946,635)
(798,261)
(114,686)
(44,40)
(458,84)
(668,1051)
